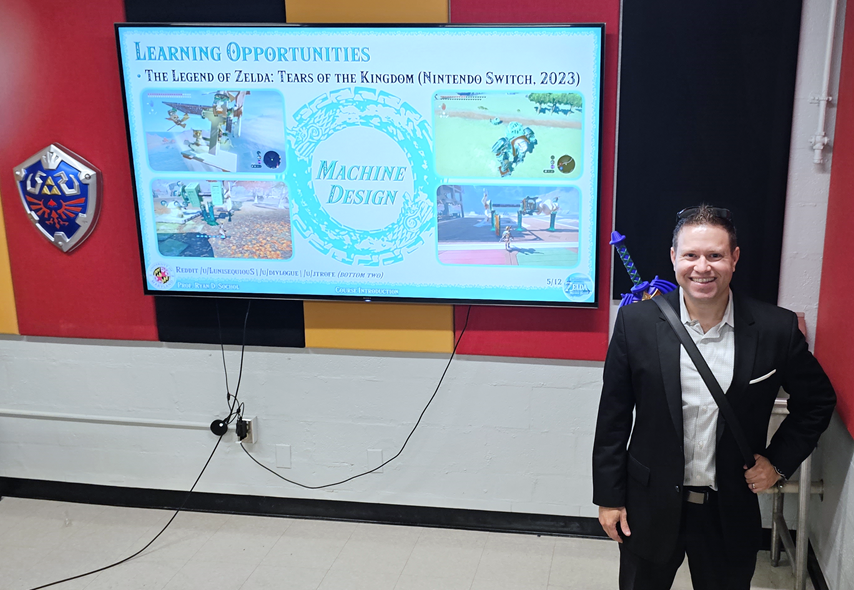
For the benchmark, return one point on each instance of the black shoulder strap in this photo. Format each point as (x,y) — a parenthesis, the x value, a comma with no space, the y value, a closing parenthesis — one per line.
(706,373)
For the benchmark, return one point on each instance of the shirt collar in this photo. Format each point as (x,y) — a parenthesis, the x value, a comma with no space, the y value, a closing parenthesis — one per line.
(685,317)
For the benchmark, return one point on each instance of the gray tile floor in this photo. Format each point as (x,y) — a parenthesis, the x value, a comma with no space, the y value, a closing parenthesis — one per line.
(41,542)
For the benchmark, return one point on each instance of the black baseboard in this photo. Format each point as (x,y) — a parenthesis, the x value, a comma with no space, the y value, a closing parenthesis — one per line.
(483,520)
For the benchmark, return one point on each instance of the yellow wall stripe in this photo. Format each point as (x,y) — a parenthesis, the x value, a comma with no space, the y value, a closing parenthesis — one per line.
(375,326)
(379,326)
(8,316)
(366,11)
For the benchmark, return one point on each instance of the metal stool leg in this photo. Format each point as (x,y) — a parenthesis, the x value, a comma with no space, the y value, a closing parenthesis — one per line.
(800,561)
(776,508)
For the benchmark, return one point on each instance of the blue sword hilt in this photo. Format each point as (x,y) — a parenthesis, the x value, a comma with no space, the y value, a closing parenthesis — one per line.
(617,240)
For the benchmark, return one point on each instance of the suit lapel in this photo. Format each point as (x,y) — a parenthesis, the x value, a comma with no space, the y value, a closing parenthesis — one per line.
(668,356)
(746,340)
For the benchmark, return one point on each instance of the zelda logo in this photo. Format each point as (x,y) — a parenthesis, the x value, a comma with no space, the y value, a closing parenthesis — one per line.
(59,190)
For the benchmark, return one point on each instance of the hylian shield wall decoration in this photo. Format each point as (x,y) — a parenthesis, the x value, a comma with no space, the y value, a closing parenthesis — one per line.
(60,192)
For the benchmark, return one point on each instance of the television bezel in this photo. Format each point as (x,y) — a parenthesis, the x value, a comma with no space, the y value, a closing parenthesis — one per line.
(355,298)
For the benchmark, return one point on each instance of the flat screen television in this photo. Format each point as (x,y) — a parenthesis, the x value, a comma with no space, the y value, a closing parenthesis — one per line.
(390,163)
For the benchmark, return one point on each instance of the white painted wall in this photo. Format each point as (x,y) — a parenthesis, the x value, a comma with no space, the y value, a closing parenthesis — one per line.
(808,186)
(502,434)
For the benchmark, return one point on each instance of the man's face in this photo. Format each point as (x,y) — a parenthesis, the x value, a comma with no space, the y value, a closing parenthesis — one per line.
(703,263)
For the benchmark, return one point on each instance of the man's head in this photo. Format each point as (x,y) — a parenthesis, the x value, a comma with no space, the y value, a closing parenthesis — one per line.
(704,255)
(706,215)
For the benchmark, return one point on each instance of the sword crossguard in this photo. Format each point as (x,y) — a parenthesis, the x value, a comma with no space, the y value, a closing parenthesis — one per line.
(641,290)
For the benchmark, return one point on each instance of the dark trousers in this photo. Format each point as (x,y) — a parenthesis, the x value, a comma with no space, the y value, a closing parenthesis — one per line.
(700,537)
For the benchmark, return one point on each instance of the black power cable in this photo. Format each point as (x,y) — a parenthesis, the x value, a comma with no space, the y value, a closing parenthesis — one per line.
(235,410)
(232,400)
(411,432)
(106,567)
(234,404)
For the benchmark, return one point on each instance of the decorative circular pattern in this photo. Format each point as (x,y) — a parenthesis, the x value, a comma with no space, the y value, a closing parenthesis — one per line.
(361,107)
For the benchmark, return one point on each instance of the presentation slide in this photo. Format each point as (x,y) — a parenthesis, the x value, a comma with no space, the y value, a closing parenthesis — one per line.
(434,163)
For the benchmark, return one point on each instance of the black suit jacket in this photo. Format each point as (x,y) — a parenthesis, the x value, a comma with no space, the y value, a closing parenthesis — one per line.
(642,376)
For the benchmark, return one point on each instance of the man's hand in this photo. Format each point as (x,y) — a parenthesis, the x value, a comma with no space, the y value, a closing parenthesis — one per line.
(759,478)
(610,517)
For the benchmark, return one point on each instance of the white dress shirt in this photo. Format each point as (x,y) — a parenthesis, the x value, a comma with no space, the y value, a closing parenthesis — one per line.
(699,410)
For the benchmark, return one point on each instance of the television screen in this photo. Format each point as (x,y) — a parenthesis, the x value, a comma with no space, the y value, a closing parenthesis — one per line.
(397,163)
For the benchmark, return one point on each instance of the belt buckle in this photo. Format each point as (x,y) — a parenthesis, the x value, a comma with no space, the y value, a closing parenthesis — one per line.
(696,497)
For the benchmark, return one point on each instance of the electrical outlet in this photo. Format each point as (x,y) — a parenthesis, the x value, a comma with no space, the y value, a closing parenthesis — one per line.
(246,430)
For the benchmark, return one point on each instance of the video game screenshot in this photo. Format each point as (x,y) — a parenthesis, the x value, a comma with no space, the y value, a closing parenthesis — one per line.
(222,218)
(215,131)
(518,135)
(508,225)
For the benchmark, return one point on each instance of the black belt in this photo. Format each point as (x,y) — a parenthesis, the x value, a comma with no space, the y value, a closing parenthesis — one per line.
(697,495)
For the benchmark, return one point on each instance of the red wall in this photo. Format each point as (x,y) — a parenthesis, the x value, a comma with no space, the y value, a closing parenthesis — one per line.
(61,85)
(835,326)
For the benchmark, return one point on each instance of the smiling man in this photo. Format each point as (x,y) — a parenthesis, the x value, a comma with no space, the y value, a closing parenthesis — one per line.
(668,475)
